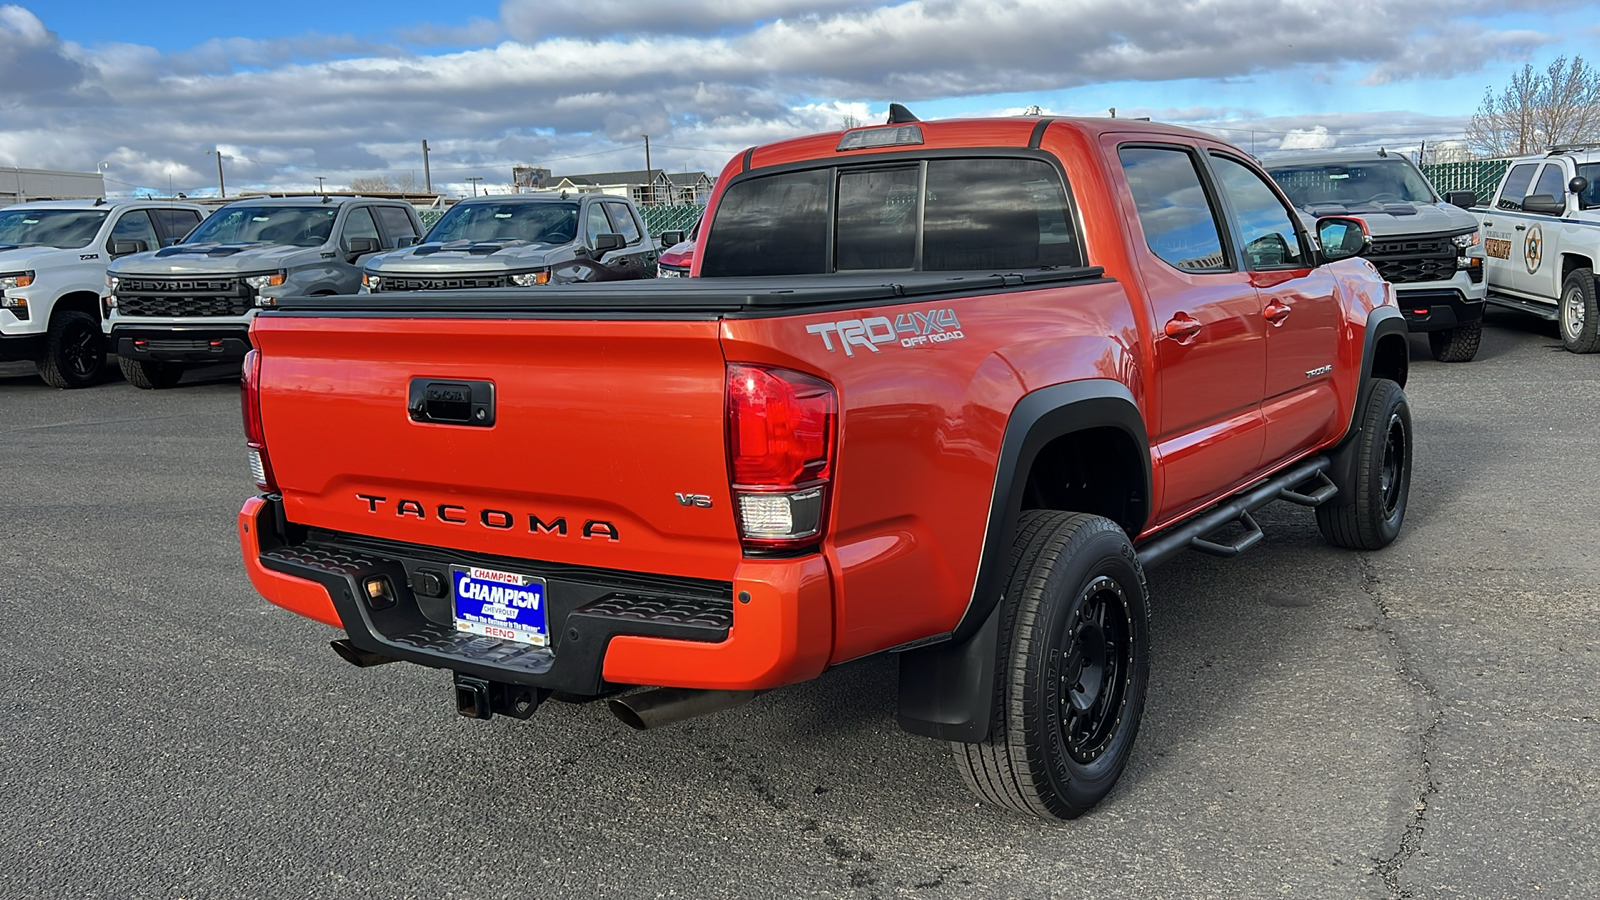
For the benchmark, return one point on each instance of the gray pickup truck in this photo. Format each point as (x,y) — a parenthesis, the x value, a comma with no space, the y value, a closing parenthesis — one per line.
(1429,247)
(191,304)
(521,241)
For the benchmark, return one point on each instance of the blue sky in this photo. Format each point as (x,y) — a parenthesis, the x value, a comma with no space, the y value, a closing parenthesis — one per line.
(295,89)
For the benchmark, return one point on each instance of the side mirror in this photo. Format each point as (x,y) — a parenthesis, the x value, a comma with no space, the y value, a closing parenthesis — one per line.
(1342,237)
(1544,205)
(1578,184)
(406,240)
(124,248)
(362,246)
(609,241)
(668,238)
(1463,199)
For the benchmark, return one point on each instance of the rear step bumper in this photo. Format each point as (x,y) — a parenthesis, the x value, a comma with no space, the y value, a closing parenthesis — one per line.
(606,627)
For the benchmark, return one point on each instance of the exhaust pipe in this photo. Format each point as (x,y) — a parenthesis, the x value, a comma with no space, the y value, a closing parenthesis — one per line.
(663,706)
(356,656)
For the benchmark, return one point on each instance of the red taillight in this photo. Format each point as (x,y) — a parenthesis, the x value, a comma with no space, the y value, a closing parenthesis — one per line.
(255,437)
(782,429)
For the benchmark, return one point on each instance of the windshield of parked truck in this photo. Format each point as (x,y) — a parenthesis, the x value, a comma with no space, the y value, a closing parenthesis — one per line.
(545,223)
(67,229)
(1366,183)
(300,226)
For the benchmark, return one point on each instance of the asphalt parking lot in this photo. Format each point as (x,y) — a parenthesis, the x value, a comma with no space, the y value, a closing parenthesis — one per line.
(1416,722)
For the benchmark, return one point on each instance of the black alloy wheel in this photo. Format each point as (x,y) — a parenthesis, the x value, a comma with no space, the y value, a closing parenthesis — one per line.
(74,352)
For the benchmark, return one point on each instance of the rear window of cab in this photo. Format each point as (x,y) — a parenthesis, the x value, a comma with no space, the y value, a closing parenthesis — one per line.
(919,215)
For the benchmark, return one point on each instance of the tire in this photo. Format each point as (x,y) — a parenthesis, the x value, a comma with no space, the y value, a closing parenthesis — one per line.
(149,374)
(1074,603)
(1578,315)
(1458,344)
(74,352)
(1371,516)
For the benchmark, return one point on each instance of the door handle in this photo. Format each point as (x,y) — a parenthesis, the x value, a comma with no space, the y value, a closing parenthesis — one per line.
(1182,327)
(1277,311)
(1522,228)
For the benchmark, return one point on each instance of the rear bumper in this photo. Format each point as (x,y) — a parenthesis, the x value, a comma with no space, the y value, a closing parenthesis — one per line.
(181,343)
(772,625)
(1436,309)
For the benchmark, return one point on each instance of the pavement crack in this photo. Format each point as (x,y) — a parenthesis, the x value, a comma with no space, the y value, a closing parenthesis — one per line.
(1416,825)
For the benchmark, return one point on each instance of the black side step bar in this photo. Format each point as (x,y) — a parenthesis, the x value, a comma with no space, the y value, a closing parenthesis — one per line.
(1289,485)
(1541,310)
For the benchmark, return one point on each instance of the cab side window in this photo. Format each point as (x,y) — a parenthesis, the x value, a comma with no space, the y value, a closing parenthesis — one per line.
(1516,186)
(136,226)
(622,218)
(598,223)
(396,224)
(1266,225)
(358,224)
(1179,222)
(1552,181)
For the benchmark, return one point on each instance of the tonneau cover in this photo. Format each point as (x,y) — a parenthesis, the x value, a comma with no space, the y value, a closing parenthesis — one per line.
(686,296)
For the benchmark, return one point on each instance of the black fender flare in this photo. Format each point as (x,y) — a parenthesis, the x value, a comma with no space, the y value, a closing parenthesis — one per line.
(1383,323)
(947,689)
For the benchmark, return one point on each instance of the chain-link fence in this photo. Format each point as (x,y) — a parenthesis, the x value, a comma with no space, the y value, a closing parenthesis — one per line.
(1480,176)
(671,218)
(429,216)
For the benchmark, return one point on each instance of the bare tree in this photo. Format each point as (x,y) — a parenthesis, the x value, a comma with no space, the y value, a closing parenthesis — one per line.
(1560,105)
(850,121)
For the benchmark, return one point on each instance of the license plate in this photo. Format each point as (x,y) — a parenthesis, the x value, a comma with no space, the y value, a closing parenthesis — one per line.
(502,605)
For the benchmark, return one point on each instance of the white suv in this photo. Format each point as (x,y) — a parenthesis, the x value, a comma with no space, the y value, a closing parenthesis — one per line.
(53,258)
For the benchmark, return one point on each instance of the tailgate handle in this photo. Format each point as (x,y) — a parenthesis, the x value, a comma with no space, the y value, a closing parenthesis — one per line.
(452,402)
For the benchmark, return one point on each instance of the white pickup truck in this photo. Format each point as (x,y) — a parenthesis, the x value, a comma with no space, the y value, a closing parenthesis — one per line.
(1541,234)
(53,258)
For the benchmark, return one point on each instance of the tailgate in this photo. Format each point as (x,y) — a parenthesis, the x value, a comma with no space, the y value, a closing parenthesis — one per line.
(597,427)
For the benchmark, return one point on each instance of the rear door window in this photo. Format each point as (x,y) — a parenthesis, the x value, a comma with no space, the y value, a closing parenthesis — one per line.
(1177,216)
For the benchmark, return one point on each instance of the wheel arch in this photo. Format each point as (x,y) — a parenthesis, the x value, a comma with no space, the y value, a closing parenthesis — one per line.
(84,301)
(946,690)
(1386,353)
(1571,262)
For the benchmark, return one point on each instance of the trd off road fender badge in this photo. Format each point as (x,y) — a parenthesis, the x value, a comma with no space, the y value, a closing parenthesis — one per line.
(936,326)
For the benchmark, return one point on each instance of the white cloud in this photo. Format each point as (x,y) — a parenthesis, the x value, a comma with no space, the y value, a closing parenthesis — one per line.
(1308,139)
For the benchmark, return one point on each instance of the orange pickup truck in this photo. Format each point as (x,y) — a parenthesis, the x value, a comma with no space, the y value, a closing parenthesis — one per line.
(941,389)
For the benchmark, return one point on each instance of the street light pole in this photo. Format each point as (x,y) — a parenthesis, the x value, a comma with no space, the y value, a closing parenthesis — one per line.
(475,179)
(427,176)
(222,188)
(319,183)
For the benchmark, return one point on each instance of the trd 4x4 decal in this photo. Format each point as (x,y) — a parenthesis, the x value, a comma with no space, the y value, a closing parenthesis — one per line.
(909,329)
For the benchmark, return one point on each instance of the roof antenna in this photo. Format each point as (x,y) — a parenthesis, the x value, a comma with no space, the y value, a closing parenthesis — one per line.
(326,199)
(99,201)
(1383,153)
(899,114)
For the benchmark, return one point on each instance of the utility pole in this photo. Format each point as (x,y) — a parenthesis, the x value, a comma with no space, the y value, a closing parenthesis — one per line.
(427,176)
(649,180)
(320,179)
(222,188)
(475,179)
